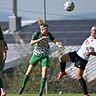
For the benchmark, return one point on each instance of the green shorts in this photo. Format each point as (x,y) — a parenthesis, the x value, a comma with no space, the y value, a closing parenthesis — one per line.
(35,59)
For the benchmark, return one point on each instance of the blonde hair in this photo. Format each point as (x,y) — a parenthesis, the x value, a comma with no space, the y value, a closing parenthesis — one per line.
(40,21)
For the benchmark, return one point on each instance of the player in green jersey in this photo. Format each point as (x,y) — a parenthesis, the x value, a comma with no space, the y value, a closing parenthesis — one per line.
(3,55)
(40,54)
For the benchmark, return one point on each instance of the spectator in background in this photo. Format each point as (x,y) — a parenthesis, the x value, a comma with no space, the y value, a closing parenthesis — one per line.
(3,55)
(80,58)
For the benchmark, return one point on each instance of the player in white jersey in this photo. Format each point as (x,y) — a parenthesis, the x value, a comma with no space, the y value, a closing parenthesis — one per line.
(80,58)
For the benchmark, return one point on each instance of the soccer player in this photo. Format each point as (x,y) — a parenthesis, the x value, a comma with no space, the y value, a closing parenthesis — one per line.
(3,55)
(80,58)
(40,54)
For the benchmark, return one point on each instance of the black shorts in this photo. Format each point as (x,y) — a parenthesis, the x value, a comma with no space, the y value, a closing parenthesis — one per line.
(79,62)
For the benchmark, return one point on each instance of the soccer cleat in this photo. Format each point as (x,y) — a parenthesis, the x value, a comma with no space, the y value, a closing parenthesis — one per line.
(20,90)
(60,75)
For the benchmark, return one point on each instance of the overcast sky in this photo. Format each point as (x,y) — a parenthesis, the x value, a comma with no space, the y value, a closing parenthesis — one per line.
(31,9)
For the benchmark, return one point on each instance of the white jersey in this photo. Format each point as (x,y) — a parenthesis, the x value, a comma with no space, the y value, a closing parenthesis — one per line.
(88,45)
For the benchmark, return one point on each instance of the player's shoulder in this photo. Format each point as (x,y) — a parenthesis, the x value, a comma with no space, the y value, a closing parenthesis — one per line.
(49,33)
(37,33)
(89,38)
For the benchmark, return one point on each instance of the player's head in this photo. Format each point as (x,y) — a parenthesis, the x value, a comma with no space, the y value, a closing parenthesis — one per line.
(44,25)
(93,30)
(44,28)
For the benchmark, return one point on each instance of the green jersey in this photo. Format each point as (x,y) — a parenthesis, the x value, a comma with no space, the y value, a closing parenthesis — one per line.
(42,48)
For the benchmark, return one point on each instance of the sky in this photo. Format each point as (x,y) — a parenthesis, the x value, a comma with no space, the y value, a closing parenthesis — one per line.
(32,9)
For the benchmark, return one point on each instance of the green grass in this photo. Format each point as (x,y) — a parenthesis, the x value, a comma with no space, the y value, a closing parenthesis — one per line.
(49,95)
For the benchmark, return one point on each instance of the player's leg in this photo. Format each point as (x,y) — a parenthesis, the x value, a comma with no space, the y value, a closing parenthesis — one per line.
(79,75)
(25,79)
(32,63)
(43,80)
(63,59)
(2,63)
(3,93)
(44,64)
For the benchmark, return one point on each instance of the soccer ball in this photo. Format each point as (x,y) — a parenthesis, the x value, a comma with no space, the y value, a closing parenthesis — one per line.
(69,6)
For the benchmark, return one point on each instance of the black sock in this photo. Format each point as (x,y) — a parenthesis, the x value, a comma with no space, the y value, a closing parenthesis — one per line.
(62,66)
(83,86)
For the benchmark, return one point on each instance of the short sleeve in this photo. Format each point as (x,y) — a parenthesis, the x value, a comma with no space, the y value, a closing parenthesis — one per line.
(35,35)
(51,37)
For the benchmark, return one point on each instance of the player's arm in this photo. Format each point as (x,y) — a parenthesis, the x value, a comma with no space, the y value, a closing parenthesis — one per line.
(59,44)
(35,38)
(32,42)
(93,53)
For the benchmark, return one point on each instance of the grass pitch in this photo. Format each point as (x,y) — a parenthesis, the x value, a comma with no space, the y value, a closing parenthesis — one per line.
(50,94)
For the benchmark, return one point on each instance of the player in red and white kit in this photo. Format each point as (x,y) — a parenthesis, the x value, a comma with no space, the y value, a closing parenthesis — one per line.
(80,58)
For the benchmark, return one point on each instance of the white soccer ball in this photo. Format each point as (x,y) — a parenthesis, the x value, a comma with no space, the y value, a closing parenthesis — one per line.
(69,6)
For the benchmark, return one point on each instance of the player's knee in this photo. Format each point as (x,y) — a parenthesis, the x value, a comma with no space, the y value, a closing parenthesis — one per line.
(44,75)
(29,70)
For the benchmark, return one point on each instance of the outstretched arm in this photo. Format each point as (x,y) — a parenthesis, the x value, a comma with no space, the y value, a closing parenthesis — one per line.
(59,44)
(32,42)
(93,53)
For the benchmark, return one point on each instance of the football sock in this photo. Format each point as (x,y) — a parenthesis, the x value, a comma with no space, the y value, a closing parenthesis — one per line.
(42,85)
(26,78)
(1,83)
(62,66)
(83,86)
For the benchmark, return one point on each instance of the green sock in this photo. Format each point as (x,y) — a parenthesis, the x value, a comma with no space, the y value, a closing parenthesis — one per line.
(25,79)
(42,85)
(1,83)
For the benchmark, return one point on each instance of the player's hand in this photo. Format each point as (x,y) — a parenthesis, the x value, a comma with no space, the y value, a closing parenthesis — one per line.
(44,37)
(90,51)
(60,45)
